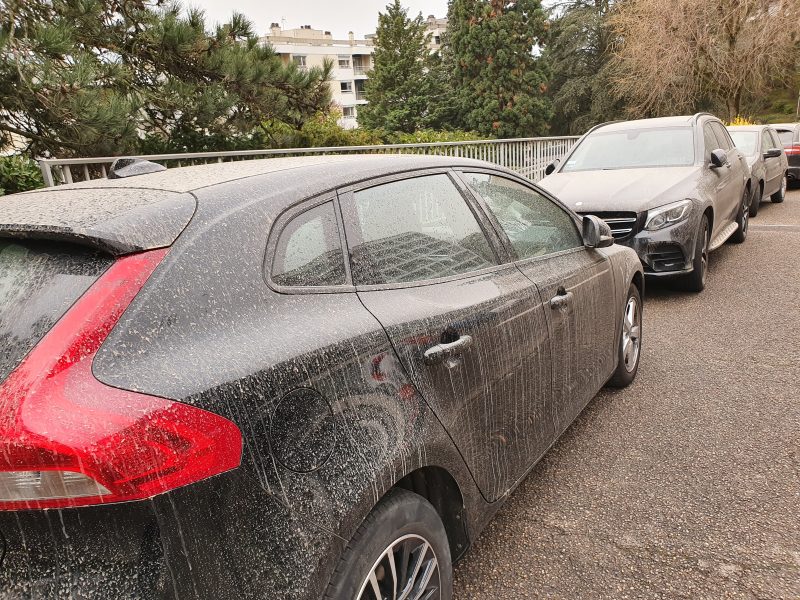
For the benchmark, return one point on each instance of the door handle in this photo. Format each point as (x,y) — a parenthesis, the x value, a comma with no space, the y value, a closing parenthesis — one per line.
(562,299)
(440,352)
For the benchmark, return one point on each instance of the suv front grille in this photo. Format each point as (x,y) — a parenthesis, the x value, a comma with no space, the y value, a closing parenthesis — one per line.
(624,225)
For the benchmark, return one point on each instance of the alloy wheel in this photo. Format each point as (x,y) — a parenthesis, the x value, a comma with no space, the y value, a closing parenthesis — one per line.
(406,570)
(631,334)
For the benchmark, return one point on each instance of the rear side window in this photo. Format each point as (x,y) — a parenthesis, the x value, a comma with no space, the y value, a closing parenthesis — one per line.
(39,281)
(415,230)
(786,136)
(535,225)
(309,250)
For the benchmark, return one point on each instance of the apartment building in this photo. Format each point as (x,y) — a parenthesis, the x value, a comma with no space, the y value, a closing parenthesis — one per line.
(352,59)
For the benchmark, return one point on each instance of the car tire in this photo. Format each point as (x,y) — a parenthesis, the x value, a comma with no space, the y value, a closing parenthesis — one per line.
(755,201)
(742,220)
(780,195)
(402,524)
(629,348)
(696,280)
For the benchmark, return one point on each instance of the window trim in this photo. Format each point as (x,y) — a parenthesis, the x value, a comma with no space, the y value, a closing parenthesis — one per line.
(501,234)
(347,208)
(277,229)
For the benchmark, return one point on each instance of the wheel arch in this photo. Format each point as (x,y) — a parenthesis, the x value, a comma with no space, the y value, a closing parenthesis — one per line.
(441,489)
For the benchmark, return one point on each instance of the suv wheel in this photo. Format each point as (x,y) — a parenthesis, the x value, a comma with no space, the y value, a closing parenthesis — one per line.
(630,343)
(742,219)
(778,196)
(755,201)
(399,551)
(696,280)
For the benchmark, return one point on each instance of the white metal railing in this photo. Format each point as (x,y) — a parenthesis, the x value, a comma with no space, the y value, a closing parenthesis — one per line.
(526,156)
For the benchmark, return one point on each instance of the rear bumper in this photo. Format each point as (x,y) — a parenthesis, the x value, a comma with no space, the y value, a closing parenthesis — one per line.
(221,538)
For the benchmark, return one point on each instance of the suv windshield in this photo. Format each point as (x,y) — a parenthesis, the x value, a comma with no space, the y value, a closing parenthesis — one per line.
(632,148)
(745,140)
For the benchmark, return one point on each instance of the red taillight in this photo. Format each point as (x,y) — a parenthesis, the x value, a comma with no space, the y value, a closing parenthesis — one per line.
(792,150)
(66,439)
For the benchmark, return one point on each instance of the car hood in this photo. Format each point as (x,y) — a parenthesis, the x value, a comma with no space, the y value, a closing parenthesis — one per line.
(623,189)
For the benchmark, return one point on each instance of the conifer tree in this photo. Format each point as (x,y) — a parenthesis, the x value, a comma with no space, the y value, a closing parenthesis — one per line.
(110,77)
(398,86)
(499,81)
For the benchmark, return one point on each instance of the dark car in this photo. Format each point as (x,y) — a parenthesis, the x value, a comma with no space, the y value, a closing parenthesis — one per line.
(766,159)
(673,189)
(289,378)
(789,134)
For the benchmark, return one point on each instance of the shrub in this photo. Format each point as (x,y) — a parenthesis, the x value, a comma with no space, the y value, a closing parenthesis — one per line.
(19,174)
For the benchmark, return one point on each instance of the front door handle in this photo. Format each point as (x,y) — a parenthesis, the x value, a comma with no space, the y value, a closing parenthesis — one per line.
(562,299)
(440,352)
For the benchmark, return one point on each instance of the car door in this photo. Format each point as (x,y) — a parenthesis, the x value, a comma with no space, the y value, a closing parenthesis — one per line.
(720,180)
(772,165)
(575,282)
(470,330)
(733,175)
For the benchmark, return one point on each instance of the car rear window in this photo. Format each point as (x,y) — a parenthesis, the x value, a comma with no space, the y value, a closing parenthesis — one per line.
(39,281)
(745,140)
(786,136)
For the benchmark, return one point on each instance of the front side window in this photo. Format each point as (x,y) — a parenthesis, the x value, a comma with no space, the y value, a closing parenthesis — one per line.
(766,141)
(415,230)
(535,225)
(710,141)
(776,141)
(309,250)
(722,136)
(633,148)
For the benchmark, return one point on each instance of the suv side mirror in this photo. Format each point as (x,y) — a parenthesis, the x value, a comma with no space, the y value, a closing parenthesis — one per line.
(773,153)
(551,167)
(719,158)
(596,232)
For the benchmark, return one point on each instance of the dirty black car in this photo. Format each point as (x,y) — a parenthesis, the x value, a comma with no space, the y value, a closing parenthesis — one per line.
(290,378)
(672,188)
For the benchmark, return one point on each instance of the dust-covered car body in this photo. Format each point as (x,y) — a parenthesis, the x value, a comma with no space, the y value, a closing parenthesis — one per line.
(766,159)
(636,172)
(213,374)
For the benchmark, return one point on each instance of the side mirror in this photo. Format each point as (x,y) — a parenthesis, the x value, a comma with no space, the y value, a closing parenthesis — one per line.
(773,153)
(719,158)
(596,232)
(551,167)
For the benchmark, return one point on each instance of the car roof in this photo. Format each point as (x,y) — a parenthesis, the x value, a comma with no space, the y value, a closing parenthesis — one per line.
(680,121)
(149,211)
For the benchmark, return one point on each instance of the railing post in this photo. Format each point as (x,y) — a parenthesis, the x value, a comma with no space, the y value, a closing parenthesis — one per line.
(47,174)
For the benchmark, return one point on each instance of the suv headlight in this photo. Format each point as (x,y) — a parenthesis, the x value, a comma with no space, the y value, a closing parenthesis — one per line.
(664,216)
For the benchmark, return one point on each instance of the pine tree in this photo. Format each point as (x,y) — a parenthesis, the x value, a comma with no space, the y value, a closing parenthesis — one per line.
(499,81)
(110,77)
(398,86)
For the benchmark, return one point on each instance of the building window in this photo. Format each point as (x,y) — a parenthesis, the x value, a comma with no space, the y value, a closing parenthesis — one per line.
(349,112)
(437,40)
(344,62)
(300,61)
(346,86)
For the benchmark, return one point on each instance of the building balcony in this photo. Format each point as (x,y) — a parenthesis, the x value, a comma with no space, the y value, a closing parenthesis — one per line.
(361,69)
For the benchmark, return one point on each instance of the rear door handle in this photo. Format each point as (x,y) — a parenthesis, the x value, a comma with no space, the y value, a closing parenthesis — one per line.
(562,299)
(440,352)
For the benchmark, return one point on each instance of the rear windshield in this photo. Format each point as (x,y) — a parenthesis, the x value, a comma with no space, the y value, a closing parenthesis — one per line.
(656,147)
(745,140)
(39,281)
(786,136)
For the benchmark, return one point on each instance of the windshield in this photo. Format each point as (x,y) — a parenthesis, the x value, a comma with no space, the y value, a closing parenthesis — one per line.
(658,147)
(745,140)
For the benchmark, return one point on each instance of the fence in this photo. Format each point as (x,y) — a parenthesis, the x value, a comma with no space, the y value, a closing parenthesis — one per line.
(526,156)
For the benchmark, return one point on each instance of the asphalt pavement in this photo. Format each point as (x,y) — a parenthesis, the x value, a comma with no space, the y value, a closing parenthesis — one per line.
(686,484)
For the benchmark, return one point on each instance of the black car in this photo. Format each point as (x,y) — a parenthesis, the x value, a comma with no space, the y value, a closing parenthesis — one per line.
(673,188)
(767,161)
(289,378)
(789,134)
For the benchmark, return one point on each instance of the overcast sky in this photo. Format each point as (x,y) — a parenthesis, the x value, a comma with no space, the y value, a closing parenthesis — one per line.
(358,16)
